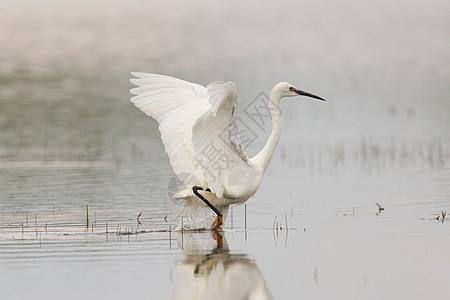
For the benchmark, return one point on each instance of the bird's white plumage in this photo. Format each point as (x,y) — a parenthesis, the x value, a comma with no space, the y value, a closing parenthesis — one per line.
(216,143)
(176,105)
(198,127)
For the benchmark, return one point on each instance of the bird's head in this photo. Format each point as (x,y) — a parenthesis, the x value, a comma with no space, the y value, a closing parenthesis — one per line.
(285,89)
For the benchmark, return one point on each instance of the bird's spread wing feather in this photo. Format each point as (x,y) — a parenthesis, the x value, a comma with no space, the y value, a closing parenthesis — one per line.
(216,141)
(176,105)
(198,127)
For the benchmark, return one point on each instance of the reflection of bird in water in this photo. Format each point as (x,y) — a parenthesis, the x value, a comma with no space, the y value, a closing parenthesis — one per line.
(199,130)
(215,273)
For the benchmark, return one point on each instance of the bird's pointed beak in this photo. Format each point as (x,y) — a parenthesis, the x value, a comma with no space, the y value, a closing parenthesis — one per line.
(303,93)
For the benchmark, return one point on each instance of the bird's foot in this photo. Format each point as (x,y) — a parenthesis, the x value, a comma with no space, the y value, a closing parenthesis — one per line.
(217,236)
(218,222)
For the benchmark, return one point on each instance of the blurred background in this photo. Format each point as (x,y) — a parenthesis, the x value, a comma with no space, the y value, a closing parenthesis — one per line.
(69,135)
(383,67)
(65,69)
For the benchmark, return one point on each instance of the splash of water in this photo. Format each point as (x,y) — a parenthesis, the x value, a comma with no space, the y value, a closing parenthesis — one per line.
(196,218)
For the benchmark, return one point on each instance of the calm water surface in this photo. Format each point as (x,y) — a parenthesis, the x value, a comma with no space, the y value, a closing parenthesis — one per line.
(70,138)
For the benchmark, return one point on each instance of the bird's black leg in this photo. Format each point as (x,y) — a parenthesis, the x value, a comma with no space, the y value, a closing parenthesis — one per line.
(195,189)
(219,219)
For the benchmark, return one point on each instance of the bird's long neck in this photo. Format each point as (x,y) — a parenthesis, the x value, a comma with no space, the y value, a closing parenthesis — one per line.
(262,159)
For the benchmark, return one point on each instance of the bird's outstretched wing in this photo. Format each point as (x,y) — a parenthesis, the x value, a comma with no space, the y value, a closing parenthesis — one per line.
(176,105)
(198,128)
(217,145)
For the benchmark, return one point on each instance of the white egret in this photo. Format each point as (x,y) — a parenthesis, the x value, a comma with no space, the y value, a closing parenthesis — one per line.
(199,130)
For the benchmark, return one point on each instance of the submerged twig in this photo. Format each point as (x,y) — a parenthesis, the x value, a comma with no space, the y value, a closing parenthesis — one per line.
(380,208)
(231,217)
(285,218)
(139,215)
(245,219)
(87,217)
(442,216)
(277,228)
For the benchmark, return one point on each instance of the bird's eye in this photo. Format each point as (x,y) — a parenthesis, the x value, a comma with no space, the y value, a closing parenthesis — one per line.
(291,89)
